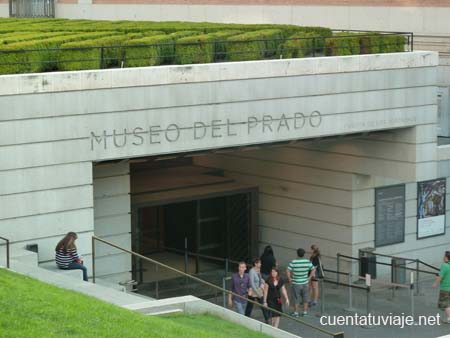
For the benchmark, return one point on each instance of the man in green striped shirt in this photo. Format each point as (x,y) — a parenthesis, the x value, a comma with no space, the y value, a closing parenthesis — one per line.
(299,272)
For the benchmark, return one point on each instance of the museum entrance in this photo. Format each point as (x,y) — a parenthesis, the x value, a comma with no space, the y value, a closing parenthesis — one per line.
(190,218)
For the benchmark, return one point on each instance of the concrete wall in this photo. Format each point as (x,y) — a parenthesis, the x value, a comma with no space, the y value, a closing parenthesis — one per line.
(54,125)
(39,205)
(4,10)
(322,192)
(112,220)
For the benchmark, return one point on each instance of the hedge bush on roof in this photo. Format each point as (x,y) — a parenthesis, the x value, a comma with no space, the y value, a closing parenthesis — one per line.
(299,45)
(143,43)
(253,45)
(147,51)
(343,44)
(203,48)
(37,55)
(93,54)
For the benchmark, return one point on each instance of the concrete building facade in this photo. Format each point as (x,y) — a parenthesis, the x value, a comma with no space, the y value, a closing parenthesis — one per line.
(316,136)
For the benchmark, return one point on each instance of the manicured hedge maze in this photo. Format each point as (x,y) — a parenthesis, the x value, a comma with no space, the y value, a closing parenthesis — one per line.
(42,45)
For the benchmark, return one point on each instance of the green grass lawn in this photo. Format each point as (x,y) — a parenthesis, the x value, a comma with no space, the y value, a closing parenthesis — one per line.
(29,308)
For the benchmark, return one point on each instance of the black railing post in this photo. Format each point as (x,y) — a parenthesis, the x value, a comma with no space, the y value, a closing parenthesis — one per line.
(338,255)
(186,255)
(7,253)
(412,42)
(417,276)
(314,47)
(93,259)
(101,57)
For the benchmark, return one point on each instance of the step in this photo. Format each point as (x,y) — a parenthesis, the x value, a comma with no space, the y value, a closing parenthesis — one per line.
(23,256)
(51,266)
(165,312)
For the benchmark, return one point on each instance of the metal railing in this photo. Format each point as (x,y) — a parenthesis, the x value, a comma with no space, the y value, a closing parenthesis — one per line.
(393,266)
(7,250)
(350,285)
(118,56)
(204,283)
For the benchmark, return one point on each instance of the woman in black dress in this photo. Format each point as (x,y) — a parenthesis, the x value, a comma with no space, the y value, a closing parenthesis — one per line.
(274,291)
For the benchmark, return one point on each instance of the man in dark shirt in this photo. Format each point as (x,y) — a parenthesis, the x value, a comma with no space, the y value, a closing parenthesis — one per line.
(240,283)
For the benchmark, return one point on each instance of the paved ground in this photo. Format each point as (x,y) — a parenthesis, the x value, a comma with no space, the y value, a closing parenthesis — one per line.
(336,300)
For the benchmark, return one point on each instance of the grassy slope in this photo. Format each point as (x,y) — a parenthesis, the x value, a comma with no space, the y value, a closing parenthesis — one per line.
(29,308)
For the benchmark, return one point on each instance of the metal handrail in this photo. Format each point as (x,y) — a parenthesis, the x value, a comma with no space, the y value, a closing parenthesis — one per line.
(190,253)
(217,288)
(428,265)
(7,250)
(393,265)
(388,256)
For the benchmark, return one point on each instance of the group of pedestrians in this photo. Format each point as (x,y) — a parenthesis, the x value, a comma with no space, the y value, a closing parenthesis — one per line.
(263,284)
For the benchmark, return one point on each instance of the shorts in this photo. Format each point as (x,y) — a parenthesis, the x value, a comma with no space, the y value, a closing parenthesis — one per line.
(444,299)
(300,293)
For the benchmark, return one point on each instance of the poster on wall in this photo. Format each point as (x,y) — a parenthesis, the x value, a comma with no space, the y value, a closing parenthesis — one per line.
(431,208)
(389,215)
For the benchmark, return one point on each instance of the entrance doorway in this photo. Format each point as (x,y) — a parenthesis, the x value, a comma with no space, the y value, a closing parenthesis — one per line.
(191,209)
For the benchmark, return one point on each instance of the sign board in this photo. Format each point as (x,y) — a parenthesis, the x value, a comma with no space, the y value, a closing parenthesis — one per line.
(389,215)
(431,208)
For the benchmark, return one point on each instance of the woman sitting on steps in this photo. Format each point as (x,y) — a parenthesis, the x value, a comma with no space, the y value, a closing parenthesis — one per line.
(66,255)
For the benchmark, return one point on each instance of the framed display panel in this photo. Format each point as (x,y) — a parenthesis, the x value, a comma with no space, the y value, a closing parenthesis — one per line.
(389,215)
(431,208)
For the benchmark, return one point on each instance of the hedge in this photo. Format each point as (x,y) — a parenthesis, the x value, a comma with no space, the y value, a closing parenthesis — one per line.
(148,51)
(40,55)
(88,54)
(27,36)
(203,48)
(299,45)
(253,45)
(342,44)
(195,49)
(143,43)
(220,45)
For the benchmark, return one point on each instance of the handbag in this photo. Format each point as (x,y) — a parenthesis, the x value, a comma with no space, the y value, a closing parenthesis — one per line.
(258,294)
(319,270)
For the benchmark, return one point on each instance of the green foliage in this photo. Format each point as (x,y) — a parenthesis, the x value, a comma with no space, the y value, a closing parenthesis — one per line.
(30,45)
(195,49)
(220,45)
(342,44)
(9,38)
(254,45)
(299,45)
(393,43)
(36,310)
(382,43)
(148,51)
(203,48)
(37,55)
(92,54)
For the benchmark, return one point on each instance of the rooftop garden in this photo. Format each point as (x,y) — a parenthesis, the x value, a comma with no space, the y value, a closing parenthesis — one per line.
(34,309)
(43,45)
